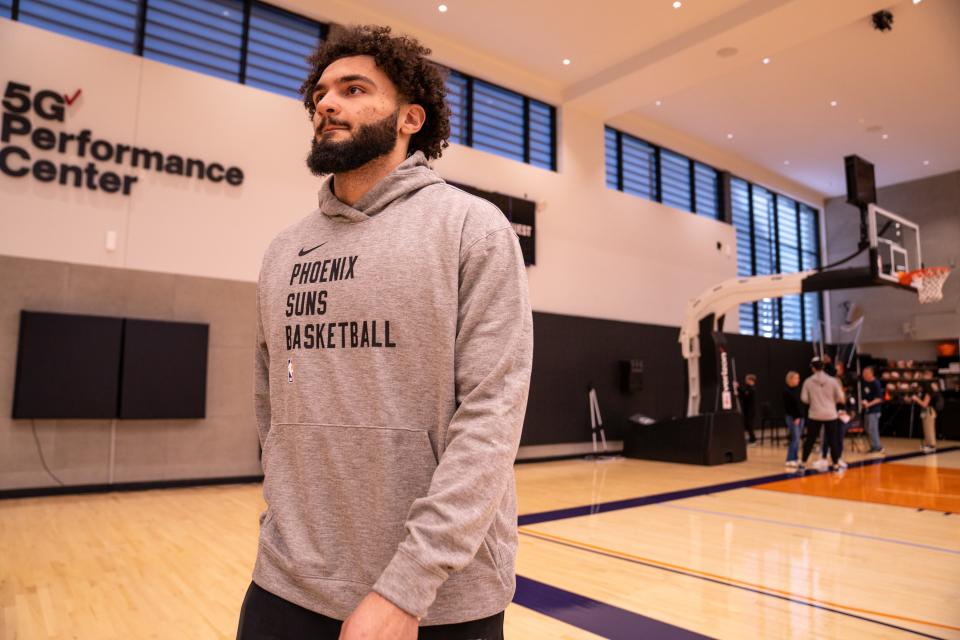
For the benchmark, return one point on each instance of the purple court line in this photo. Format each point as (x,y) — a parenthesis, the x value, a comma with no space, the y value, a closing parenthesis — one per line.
(735,586)
(594,616)
(807,526)
(629,503)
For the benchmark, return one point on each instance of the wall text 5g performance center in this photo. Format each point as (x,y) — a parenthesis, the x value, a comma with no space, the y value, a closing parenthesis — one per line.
(16,161)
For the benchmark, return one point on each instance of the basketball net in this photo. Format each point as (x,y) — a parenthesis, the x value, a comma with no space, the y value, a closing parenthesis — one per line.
(929,282)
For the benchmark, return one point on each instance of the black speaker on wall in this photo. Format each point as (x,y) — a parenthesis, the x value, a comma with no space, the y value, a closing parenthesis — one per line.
(631,375)
(861,184)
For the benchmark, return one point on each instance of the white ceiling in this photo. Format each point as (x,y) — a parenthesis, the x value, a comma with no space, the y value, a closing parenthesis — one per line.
(627,54)
(538,34)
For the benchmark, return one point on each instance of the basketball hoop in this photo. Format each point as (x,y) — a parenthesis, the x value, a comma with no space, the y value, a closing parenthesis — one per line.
(929,282)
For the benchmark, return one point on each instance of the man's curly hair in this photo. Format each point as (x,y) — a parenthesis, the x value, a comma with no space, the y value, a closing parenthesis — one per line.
(403,60)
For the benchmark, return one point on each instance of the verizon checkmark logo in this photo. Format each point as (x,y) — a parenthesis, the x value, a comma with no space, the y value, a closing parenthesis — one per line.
(71,99)
(304,252)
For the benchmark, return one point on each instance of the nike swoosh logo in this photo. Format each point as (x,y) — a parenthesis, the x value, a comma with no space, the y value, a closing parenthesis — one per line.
(304,252)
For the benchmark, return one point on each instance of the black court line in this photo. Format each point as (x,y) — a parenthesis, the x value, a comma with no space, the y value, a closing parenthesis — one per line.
(573,601)
(630,503)
(594,616)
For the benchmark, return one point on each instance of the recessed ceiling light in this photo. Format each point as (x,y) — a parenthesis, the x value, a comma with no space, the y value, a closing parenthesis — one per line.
(834,103)
(766,61)
(786,162)
(658,103)
(442,8)
(729,136)
(677,4)
(885,136)
(566,61)
(917,1)
(926,163)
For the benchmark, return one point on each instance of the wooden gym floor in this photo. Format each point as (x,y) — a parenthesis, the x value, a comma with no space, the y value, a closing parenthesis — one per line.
(617,549)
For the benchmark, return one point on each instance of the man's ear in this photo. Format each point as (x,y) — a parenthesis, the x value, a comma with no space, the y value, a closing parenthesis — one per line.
(412,117)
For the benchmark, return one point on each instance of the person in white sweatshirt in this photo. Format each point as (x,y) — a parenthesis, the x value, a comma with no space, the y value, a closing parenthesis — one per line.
(822,393)
(395,344)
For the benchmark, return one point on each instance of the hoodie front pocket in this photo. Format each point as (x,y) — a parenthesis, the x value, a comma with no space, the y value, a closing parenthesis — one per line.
(339,496)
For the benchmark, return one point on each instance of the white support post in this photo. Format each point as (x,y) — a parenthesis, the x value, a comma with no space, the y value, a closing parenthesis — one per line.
(718,300)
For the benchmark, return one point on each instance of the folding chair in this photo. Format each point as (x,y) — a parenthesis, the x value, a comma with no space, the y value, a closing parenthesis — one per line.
(858,437)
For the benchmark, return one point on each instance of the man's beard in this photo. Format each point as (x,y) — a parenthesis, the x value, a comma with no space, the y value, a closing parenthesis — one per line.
(369,142)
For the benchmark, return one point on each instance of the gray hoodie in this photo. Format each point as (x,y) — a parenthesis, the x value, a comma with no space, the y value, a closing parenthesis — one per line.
(395,346)
(823,393)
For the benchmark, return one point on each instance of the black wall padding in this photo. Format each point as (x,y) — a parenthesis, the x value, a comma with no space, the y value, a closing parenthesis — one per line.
(570,353)
(770,359)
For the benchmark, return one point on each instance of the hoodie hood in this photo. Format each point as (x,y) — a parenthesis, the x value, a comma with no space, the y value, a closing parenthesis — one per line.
(410,175)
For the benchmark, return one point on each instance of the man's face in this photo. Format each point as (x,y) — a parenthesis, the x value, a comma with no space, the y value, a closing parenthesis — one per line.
(356,118)
(868,375)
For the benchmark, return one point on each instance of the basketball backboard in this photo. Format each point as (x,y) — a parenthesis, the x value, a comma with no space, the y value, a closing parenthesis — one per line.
(896,242)
(891,244)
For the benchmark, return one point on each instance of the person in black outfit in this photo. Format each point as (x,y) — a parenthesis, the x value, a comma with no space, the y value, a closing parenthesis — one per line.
(748,396)
(794,414)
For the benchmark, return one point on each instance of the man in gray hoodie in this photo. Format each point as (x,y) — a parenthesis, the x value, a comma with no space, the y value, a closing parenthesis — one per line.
(822,393)
(395,345)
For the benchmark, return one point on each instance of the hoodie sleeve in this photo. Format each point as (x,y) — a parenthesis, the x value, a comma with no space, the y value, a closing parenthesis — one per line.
(494,353)
(261,378)
(838,392)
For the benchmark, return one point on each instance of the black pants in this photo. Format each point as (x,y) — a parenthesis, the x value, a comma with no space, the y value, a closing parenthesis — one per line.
(833,435)
(748,425)
(265,616)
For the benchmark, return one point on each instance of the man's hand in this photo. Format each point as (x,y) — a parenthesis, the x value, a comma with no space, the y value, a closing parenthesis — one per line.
(376,618)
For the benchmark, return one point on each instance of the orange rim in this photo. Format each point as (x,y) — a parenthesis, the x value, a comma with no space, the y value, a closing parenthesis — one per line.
(906,277)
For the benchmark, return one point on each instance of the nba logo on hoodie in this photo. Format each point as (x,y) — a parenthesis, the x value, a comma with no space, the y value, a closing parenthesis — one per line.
(290,370)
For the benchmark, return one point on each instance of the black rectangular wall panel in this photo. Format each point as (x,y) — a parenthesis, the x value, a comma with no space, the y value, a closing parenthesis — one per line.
(164,371)
(67,366)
